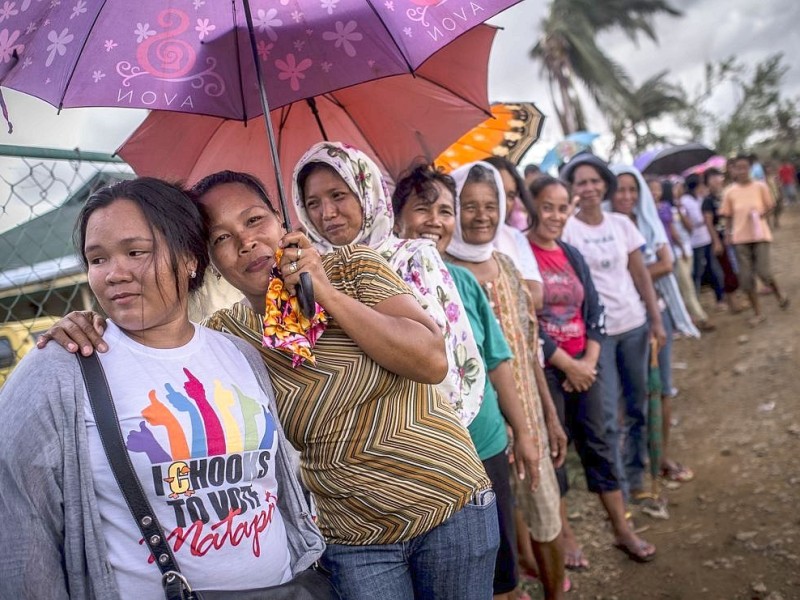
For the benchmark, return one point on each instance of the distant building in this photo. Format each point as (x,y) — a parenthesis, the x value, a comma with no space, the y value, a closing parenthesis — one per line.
(40,273)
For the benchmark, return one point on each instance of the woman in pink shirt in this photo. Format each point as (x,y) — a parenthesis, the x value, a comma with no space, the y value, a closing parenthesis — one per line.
(745,206)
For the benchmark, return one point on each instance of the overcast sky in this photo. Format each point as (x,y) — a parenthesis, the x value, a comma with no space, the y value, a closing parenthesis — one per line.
(709,30)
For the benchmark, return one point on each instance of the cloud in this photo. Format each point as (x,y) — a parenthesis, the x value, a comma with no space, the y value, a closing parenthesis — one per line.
(709,30)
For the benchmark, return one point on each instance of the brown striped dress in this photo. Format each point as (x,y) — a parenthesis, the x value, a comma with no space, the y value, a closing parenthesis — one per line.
(385,457)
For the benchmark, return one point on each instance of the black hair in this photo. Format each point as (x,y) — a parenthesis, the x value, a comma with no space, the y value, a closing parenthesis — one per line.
(503,164)
(208,183)
(531,169)
(544,182)
(709,173)
(692,183)
(747,157)
(168,210)
(308,170)
(421,181)
(666,192)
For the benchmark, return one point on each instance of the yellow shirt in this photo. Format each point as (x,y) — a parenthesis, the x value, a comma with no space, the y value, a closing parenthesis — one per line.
(746,206)
(386,458)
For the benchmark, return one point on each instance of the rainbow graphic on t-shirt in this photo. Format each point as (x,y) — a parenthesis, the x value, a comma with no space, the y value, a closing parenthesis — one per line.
(214,432)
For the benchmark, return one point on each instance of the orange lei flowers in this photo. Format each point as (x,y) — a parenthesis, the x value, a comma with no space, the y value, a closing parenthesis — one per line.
(285,327)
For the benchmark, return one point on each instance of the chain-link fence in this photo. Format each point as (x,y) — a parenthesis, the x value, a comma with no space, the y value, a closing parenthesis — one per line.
(41,276)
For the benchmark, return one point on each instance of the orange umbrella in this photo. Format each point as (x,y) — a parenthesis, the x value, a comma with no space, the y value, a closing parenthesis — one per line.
(512,129)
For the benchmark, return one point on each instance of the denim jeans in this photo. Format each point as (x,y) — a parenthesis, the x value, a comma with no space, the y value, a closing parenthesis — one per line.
(582,414)
(665,354)
(706,262)
(452,561)
(623,364)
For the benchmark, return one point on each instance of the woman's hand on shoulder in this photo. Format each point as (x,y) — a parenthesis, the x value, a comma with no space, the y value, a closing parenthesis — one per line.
(304,259)
(79,329)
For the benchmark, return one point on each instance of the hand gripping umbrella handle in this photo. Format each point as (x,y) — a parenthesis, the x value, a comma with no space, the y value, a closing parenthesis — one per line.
(305,296)
(305,293)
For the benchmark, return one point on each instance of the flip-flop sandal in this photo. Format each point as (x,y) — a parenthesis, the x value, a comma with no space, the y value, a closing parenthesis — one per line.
(528,574)
(677,473)
(651,505)
(578,560)
(636,556)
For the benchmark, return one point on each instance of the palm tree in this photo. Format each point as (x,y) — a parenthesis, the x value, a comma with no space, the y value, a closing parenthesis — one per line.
(631,120)
(568,50)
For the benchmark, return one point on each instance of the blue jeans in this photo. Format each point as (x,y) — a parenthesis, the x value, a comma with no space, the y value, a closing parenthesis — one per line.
(706,262)
(665,354)
(623,368)
(452,561)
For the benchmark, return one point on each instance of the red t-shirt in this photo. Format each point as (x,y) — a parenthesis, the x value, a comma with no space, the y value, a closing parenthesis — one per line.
(561,316)
(786,174)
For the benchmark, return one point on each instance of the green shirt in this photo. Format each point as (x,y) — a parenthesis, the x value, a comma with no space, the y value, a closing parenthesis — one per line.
(488,428)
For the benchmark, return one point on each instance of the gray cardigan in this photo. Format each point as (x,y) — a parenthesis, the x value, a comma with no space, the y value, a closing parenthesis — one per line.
(51,543)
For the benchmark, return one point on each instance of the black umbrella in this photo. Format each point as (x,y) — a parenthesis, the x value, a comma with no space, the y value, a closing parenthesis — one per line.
(676,159)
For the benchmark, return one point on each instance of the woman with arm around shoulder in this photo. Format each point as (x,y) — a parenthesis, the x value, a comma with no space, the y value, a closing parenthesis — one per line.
(370,427)
(183,395)
(611,246)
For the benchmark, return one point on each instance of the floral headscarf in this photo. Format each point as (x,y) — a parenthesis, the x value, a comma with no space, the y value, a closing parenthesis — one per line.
(458,247)
(416,262)
(365,180)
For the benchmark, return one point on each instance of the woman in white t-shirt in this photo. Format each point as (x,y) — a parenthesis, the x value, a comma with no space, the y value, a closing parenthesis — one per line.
(197,414)
(612,247)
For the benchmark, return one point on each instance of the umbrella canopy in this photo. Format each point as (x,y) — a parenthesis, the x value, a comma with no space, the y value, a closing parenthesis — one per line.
(567,148)
(194,55)
(715,162)
(674,159)
(394,120)
(509,132)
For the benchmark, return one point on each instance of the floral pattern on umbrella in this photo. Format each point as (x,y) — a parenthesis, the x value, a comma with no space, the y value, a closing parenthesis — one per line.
(194,55)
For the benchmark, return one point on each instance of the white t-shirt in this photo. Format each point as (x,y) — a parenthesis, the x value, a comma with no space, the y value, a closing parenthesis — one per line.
(700,236)
(513,243)
(202,441)
(606,247)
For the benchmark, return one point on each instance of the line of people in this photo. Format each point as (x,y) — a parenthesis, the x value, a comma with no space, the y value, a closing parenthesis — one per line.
(460,357)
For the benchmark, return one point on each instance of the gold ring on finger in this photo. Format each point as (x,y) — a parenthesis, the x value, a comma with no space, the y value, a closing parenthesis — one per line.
(299,253)
(293,267)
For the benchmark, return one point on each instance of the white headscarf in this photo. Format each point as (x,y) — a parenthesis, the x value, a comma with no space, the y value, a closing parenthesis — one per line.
(655,237)
(458,247)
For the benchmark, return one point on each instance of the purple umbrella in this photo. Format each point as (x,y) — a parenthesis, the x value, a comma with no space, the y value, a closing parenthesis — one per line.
(195,56)
(220,58)
(673,159)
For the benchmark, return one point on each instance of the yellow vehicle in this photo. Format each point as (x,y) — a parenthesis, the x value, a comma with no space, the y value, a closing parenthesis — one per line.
(17,338)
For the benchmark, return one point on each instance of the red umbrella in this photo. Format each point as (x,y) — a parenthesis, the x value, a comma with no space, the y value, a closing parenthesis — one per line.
(394,120)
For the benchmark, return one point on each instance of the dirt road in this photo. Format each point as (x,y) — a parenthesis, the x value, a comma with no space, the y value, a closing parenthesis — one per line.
(734,532)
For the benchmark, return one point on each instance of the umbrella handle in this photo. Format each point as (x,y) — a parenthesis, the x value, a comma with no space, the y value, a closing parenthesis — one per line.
(305,296)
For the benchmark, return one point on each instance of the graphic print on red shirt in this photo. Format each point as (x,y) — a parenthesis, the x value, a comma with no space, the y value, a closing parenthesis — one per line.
(561,317)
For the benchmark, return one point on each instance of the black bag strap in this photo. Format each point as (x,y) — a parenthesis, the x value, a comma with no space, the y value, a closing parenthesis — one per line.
(105,415)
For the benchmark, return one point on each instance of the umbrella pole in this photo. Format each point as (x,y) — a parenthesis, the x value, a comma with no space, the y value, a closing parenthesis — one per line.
(312,104)
(305,295)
